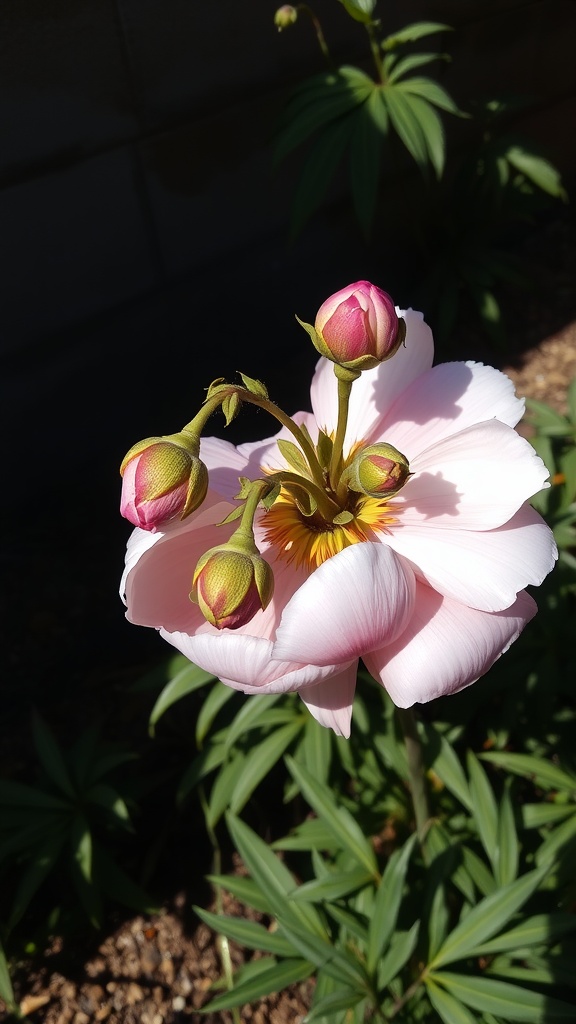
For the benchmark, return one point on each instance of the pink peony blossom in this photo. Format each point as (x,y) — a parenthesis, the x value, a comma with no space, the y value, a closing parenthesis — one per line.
(427,587)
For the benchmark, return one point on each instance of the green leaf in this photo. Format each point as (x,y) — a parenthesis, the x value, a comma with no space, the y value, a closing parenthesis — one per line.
(319,170)
(478,872)
(51,756)
(536,815)
(19,794)
(360,10)
(506,867)
(410,33)
(31,879)
(571,399)
(224,786)
(547,420)
(118,885)
(273,979)
(341,999)
(563,835)
(244,889)
(315,750)
(365,151)
(538,930)
(273,878)
(210,758)
(430,91)
(256,387)
(259,762)
(406,124)
(447,765)
(484,807)
(415,60)
(317,103)
(401,948)
(294,457)
(334,886)
(432,130)
(6,990)
(219,696)
(107,797)
(484,920)
(387,902)
(247,933)
(545,774)
(341,965)
(187,680)
(343,826)
(540,172)
(312,834)
(505,1000)
(449,1009)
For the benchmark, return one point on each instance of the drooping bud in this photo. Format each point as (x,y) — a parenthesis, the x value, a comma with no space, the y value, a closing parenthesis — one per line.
(230,584)
(162,479)
(285,16)
(357,327)
(379,471)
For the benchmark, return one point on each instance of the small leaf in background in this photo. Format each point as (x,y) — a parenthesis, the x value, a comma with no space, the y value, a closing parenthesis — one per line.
(508,850)
(219,696)
(360,10)
(259,762)
(51,757)
(187,680)
(484,807)
(387,902)
(269,979)
(410,33)
(247,933)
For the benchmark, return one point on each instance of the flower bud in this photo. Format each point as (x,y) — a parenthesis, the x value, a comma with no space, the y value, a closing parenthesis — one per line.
(231,585)
(379,470)
(358,327)
(163,479)
(285,16)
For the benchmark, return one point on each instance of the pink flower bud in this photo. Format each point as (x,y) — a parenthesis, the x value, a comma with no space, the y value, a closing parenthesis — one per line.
(163,479)
(379,471)
(230,586)
(358,328)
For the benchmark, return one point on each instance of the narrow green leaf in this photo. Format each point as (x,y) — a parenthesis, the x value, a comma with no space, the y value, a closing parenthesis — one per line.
(210,758)
(273,878)
(414,60)
(341,964)
(536,815)
(247,933)
(562,836)
(344,828)
(259,762)
(406,124)
(360,10)
(244,889)
(319,170)
(312,834)
(387,902)
(108,798)
(539,171)
(430,91)
(51,756)
(188,679)
(118,885)
(484,807)
(315,750)
(341,999)
(6,990)
(294,457)
(447,765)
(449,1009)
(509,1001)
(81,842)
(545,774)
(32,877)
(19,794)
(365,152)
(274,979)
(541,929)
(224,786)
(350,921)
(401,948)
(317,103)
(417,30)
(334,886)
(219,696)
(508,848)
(487,917)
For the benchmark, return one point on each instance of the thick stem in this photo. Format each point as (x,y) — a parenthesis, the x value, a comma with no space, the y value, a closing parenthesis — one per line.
(344,389)
(416,771)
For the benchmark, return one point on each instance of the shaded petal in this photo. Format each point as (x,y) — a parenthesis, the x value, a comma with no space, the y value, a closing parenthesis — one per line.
(375,391)
(356,601)
(444,400)
(330,702)
(159,568)
(484,570)
(266,453)
(245,662)
(225,464)
(475,480)
(445,647)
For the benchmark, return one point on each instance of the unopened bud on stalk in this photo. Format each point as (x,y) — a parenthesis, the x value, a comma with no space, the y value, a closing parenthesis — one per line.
(379,471)
(285,16)
(357,327)
(163,479)
(230,584)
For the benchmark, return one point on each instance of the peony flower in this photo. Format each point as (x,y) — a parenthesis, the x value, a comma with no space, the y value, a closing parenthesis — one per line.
(427,587)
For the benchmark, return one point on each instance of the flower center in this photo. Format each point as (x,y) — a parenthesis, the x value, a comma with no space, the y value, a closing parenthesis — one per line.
(310,540)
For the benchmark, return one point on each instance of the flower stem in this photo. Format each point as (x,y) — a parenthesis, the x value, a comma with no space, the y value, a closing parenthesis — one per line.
(345,380)
(375,49)
(416,771)
(319,33)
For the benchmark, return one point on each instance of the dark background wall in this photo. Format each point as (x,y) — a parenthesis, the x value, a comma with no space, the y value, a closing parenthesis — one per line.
(144,234)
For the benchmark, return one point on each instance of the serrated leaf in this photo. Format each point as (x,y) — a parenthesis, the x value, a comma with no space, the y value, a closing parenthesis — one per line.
(51,756)
(343,826)
(273,979)
(509,1001)
(449,1009)
(545,774)
(484,920)
(187,680)
(256,387)
(260,760)
(387,902)
(247,933)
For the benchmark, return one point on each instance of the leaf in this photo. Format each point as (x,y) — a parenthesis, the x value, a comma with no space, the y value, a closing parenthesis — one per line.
(503,999)
(540,172)
(413,60)
(429,90)
(107,797)
(247,933)
(417,30)
(450,1010)
(447,765)
(563,835)
(315,750)
(341,999)
(312,834)
(6,990)
(244,889)
(224,786)
(484,806)
(294,457)
(259,762)
(210,758)
(272,979)
(118,885)
(256,387)
(478,871)
(401,948)
(321,100)
(490,914)
(432,130)
(19,794)
(387,902)
(536,815)
(51,756)
(219,696)
(273,878)
(343,826)
(31,879)
(334,886)
(360,10)
(365,150)
(319,170)
(545,774)
(188,679)
(506,868)
(406,124)
(538,930)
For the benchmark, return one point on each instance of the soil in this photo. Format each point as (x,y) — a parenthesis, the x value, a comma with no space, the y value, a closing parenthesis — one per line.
(159,969)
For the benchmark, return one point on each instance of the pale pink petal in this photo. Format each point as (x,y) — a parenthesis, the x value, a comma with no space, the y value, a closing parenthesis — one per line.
(330,702)
(484,570)
(158,575)
(356,601)
(245,662)
(225,465)
(445,647)
(474,480)
(376,390)
(444,400)
(259,455)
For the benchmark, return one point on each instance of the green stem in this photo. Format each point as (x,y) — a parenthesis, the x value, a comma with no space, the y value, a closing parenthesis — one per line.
(375,50)
(328,508)
(416,771)
(344,389)
(319,33)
